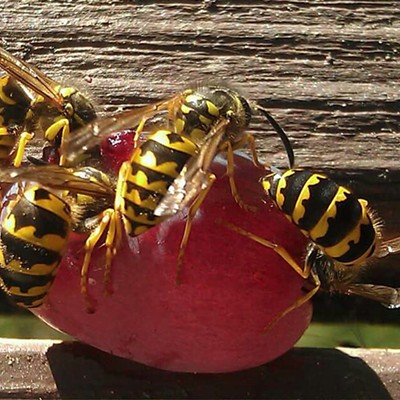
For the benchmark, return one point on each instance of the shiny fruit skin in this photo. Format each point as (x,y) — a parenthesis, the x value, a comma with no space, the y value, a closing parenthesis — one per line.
(231,288)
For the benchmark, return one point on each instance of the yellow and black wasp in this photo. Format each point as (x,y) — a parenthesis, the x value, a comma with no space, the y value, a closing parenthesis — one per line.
(345,235)
(33,104)
(171,169)
(43,205)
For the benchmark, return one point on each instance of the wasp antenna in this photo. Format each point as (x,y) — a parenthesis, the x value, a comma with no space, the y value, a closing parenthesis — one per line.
(282,134)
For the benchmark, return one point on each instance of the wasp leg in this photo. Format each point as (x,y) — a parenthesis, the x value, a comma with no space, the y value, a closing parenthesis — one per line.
(23,140)
(114,220)
(90,244)
(188,226)
(247,140)
(51,133)
(230,172)
(298,303)
(113,241)
(305,272)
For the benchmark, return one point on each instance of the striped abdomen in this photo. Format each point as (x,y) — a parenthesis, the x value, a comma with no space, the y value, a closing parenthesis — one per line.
(329,214)
(146,177)
(34,235)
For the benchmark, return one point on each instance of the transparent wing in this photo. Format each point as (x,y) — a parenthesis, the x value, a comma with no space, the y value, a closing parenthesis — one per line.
(194,175)
(31,77)
(386,295)
(91,134)
(390,246)
(56,177)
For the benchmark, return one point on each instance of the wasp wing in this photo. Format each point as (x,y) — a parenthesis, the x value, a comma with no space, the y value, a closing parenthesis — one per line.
(386,295)
(91,134)
(31,77)
(56,177)
(194,176)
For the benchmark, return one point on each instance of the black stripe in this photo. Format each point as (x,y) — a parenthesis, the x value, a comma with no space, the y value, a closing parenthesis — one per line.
(135,225)
(26,253)
(144,194)
(24,282)
(357,250)
(44,221)
(294,185)
(321,196)
(152,176)
(348,215)
(164,154)
(140,211)
(28,301)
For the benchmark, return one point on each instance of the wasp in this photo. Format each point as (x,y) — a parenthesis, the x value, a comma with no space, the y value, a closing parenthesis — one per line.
(171,168)
(344,232)
(31,103)
(43,205)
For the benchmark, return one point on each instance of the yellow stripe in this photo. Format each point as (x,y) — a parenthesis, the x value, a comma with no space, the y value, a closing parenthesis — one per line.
(266,185)
(184,146)
(185,109)
(139,218)
(343,247)
(204,120)
(141,180)
(321,228)
(282,184)
(212,109)
(179,125)
(197,135)
(134,196)
(35,270)
(51,242)
(65,91)
(54,204)
(32,292)
(305,194)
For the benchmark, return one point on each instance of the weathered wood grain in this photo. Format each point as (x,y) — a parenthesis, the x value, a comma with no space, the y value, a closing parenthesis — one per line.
(49,369)
(329,70)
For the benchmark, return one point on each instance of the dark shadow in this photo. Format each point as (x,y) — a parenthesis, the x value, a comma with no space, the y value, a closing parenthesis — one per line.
(81,371)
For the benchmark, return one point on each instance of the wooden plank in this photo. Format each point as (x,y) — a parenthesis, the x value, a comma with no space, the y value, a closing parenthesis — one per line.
(329,70)
(54,369)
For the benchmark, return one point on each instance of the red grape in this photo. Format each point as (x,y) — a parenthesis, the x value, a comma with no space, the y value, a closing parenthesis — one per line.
(232,287)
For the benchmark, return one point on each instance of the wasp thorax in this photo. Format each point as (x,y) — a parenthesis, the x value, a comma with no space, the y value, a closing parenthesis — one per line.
(205,106)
